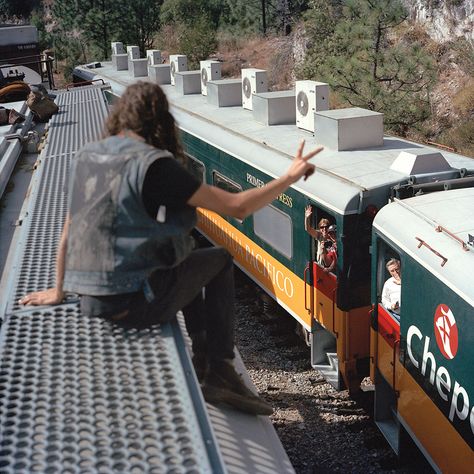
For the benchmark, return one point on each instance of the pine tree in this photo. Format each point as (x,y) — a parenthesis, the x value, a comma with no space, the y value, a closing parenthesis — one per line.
(99,22)
(353,47)
(143,23)
(20,9)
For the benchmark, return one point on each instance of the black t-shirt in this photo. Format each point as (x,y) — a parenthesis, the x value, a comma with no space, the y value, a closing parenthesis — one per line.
(167,183)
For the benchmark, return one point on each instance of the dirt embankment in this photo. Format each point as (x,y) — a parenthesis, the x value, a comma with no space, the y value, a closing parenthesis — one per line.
(452,98)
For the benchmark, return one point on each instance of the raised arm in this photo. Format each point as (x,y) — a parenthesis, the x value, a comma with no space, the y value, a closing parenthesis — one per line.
(241,205)
(52,295)
(308,212)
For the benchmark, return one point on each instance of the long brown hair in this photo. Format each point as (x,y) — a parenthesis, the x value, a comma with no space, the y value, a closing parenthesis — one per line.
(143,108)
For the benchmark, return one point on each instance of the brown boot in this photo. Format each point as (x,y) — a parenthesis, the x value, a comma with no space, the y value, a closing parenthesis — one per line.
(223,384)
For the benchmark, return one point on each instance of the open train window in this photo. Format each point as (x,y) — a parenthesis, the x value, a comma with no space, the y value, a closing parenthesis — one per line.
(322,227)
(389,280)
(196,168)
(225,183)
(110,98)
(274,227)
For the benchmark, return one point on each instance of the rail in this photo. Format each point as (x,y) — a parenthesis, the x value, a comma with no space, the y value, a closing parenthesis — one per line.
(43,64)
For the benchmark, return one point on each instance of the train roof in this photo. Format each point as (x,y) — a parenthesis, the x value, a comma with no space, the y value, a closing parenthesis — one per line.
(445,221)
(173,407)
(353,173)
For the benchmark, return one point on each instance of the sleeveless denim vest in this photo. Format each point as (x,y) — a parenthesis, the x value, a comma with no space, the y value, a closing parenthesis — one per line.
(113,243)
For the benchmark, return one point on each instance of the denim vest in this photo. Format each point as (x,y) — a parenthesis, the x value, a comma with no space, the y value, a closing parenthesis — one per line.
(113,244)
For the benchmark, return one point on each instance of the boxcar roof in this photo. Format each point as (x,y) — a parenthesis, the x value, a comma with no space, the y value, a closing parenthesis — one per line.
(233,129)
(404,222)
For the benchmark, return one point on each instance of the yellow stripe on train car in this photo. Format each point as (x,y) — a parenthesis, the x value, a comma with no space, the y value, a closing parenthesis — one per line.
(283,284)
(431,427)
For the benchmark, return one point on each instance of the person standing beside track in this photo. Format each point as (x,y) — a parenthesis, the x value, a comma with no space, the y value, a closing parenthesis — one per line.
(126,246)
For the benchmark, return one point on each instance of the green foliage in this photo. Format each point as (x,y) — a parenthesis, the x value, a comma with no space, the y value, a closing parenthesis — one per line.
(244,16)
(198,41)
(100,22)
(352,48)
(17,8)
(192,12)
(95,22)
(248,15)
(143,22)
(37,19)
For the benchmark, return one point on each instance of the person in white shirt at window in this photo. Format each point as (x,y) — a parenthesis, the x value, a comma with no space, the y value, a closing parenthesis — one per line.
(392,287)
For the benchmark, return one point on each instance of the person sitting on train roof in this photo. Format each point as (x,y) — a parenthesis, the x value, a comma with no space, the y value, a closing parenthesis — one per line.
(326,242)
(126,246)
(391,292)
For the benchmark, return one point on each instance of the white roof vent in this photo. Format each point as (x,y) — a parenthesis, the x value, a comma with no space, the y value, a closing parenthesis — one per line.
(154,56)
(133,52)
(349,129)
(117,47)
(311,96)
(178,63)
(274,108)
(254,81)
(210,71)
(420,162)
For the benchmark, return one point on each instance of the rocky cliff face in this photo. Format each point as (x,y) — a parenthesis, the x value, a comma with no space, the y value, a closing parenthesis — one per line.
(444,19)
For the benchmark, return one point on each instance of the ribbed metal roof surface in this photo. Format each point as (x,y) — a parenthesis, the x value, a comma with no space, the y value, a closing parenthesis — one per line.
(80,119)
(77,394)
(81,395)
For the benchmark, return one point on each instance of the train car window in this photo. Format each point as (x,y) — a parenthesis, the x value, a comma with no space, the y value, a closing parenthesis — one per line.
(110,98)
(274,227)
(389,279)
(196,168)
(325,252)
(225,183)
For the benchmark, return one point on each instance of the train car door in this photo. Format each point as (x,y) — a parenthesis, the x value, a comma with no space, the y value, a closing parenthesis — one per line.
(436,383)
(386,345)
(323,283)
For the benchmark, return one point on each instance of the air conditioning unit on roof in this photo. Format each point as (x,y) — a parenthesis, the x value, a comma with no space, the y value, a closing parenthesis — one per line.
(133,52)
(311,97)
(210,71)
(153,56)
(253,81)
(117,47)
(178,63)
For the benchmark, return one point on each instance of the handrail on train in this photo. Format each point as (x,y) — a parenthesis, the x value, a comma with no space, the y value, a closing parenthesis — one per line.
(72,85)
(38,61)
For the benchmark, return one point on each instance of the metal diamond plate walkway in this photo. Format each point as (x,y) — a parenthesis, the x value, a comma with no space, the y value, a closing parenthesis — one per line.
(78,394)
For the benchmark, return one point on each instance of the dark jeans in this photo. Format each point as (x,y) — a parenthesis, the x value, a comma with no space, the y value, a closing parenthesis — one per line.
(181,288)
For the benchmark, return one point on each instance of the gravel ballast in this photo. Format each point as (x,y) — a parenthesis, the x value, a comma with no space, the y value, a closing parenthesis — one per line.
(322,430)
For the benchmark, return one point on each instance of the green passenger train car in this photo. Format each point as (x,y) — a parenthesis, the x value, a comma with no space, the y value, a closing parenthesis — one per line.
(354,178)
(418,391)
(422,356)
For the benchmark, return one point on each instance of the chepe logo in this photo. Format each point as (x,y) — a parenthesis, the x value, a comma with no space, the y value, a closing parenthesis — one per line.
(446,331)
